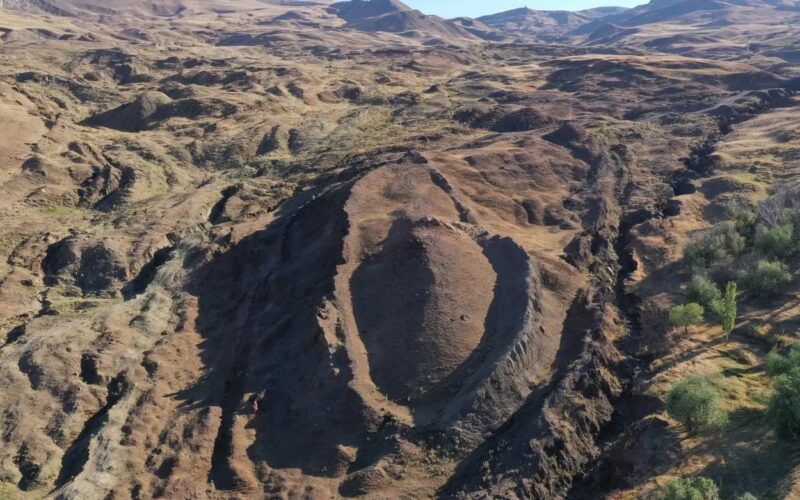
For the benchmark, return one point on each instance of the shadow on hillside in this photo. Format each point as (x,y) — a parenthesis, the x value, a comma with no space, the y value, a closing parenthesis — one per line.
(749,457)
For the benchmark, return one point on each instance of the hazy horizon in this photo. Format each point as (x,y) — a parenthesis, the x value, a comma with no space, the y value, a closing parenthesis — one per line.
(476,8)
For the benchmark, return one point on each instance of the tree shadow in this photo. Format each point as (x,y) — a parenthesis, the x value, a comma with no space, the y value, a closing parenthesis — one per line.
(750,457)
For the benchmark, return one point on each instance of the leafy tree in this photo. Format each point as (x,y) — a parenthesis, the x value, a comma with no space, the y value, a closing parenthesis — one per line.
(727,309)
(784,407)
(687,315)
(691,488)
(777,364)
(695,403)
(768,279)
(775,241)
(705,292)
(746,496)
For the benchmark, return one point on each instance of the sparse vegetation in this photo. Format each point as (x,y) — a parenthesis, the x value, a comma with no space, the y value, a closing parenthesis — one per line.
(687,315)
(692,488)
(696,404)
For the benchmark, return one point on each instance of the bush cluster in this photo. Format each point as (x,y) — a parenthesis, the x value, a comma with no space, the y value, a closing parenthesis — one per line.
(750,250)
(753,249)
(775,242)
(691,488)
(777,364)
(767,278)
(705,292)
(784,405)
(722,243)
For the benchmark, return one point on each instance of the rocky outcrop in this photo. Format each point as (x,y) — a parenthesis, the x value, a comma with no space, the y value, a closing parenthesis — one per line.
(135,116)
(503,119)
(151,108)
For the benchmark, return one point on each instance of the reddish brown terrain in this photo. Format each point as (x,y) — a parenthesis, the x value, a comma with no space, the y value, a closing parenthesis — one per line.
(320,250)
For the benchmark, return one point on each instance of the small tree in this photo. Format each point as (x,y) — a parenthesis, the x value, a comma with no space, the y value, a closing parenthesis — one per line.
(784,407)
(695,403)
(727,310)
(702,254)
(691,488)
(777,364)
(775,241)
(705,292)
(687,315)
(744,218)
(768,279)
(733,242)
(746,496)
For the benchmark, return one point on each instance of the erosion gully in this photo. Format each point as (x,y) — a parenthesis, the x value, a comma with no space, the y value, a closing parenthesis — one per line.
(630,407)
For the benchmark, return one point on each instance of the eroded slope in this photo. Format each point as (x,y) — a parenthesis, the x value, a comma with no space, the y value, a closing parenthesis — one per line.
(263,253)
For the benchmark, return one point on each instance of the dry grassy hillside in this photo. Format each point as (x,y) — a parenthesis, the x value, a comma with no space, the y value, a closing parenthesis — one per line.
(315,250)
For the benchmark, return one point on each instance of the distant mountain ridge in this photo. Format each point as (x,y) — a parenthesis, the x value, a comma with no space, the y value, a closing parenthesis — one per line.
(396,17)
(598,25)
(162,8)
(364,9)
(79,7)
(542,23)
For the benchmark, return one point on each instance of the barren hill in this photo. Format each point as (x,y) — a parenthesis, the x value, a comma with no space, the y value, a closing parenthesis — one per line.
(542,25)
(395,17)
(349,250)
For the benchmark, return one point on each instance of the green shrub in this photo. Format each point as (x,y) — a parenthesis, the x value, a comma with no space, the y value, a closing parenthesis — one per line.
(744,218)
(746,496)
(777,364)
(700,255)
(784,406)
(776,242)
(705,292)
(687,315)
(733,242)
(695,403)
(691,488)
(768,279)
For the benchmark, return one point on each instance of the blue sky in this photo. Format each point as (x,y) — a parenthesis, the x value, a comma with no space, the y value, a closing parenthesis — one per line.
(475,8)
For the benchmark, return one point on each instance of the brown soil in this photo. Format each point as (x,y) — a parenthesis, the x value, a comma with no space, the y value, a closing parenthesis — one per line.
(314,250)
